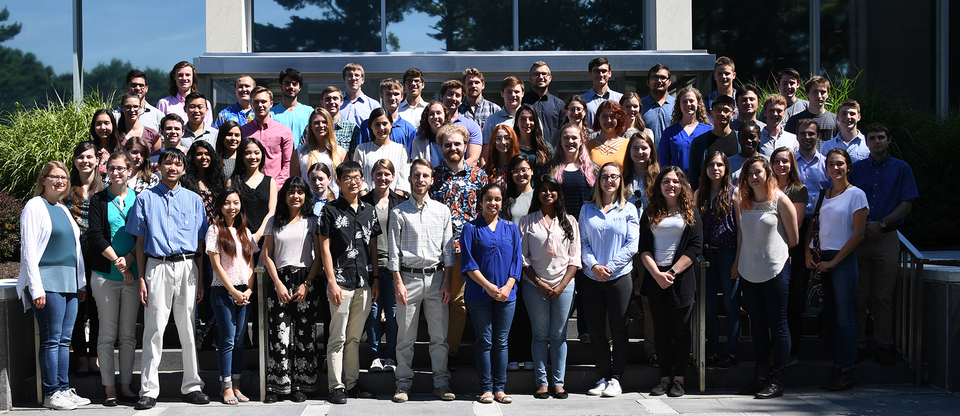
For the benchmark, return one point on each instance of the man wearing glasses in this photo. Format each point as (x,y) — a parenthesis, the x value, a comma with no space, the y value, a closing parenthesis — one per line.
(149,115)
(657,106)
(600,72)
(549,107)
(411,109)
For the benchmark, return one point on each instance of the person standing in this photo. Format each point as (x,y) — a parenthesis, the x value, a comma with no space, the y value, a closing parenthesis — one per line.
(658,106)
(240,112)
(356,105)
(182,81)
(346,131)
(549,107)
(277,139)
(475,107)
(413,104)
(600,72)
(289,111)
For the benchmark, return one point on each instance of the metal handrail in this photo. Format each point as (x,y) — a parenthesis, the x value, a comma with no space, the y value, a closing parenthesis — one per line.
(261,328)
(700,329)
(908,331)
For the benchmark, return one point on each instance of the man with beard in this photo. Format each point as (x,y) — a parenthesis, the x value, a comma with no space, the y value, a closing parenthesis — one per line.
(475,107)
(289,111)
(451,96)
(657,106)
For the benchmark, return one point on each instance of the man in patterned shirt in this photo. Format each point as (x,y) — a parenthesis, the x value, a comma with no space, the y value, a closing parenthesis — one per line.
(456,185)
(348,133)
(348,229)
(241,111)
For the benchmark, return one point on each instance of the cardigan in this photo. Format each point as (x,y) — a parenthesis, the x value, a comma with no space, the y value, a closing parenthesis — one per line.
(681,293)
(35,232)
(98,235)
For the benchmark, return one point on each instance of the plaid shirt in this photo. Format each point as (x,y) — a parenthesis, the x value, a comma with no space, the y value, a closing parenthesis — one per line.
(459,191)
(347,133)
(484,109)
(418,237)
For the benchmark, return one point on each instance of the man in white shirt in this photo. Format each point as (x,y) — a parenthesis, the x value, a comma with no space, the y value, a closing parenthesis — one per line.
(411,109)
(149,115)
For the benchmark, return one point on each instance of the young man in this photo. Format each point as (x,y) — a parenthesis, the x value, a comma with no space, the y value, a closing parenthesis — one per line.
(818,91)
(749,145)
(356,106)
(196,106)
(657,106)
(773,135)
(170,225)
(475,107)
(748,101)
(891,189)
(149,115)
(788,82)
(348,133)
(721,138)
(511,89)
(348,230)
(289,111)
(456,185)
(171,132)
(811,164)
(849,138)
(276,138)
(451,95)
(239,111)
(391,95)
(549,107)
(421,258)
(724,72)
(412,107)
(600,72)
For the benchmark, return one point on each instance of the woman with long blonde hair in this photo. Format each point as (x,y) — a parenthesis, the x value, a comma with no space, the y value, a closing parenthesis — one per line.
(319,146)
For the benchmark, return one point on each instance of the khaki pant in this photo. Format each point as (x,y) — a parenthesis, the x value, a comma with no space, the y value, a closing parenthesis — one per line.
(346,328)
(458,309)
(423,293)
(879,262)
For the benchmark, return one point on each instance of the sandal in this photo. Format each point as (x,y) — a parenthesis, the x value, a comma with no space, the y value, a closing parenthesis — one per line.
(240,396)
(504,399)
(486,398)
(227,386)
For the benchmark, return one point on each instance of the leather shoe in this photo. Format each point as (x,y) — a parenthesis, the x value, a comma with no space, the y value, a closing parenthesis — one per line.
(843,382)
(196,397)
(110,402)
(358,393)
(145,402)
(833,378)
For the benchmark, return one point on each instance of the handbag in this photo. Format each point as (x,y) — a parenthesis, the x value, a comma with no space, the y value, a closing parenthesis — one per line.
(816,297)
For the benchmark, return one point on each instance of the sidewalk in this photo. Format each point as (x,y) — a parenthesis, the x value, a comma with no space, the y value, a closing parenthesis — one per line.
(880,400)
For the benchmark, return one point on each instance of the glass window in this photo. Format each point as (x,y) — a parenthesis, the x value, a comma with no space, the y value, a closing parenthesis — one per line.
(316,26)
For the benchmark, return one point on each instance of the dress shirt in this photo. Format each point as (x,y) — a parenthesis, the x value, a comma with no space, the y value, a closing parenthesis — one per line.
(768,143)
(813,174)
(494,253)
(350,232)
(413,113)
(402,132)
(296,119)
(175,104)
(347,133)
(610,239)
(496,119)
(458,191)
(472,127)
(359,109)
(277,139)
(479,115)
(657,117)
(593,103)
(549,108)
(206,133)
(857,148)
(420,236)
(546,249)
(171,222)
(887,183)
(235,113)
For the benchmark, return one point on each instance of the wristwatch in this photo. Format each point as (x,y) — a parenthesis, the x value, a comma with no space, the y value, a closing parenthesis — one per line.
(883,224)
(671,271)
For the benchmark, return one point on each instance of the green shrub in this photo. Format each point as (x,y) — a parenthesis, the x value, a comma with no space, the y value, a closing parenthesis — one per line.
(9,226)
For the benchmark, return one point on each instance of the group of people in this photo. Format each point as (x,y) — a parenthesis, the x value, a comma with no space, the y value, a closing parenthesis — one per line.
(366,212)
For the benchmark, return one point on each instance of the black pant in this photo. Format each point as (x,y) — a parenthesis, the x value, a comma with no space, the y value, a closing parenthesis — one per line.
(521,334)
(603,301)
(799,275)
(672,326)
(86,310)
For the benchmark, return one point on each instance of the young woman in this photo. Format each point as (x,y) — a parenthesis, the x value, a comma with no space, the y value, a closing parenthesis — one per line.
(258,192)
(183,81)
(671,238)
(609,233)
(842,223)
(319,178)
(551,258)
(228,145)
(103,135)
(51,281)
(425,145)
(606,143)
(714,200)
(383,201)
(141,174)
(84,182)
(115,282)
(576,110)
(768,221)
(516,204)
(204,176)
(530,138)
(504,148)
(381,147)
(129,124)
(292,299)
(319,146)
(689,121)
(491,257)
(632,107)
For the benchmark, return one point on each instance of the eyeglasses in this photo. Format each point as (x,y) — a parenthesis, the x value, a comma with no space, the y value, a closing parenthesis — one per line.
(131,107)
(56,178)
(575,110)
(353,179)
(521,171)
(415,81)
(660,78)
(136,85)
(613,177)
(116,168)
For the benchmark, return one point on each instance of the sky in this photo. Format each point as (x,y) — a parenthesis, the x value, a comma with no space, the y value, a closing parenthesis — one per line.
(147,36)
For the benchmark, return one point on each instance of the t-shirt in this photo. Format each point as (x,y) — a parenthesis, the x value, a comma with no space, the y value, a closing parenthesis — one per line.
(521,205)
(293,244)
(836,218)
(705,144)
(829,127)
(237,269)
(666,238)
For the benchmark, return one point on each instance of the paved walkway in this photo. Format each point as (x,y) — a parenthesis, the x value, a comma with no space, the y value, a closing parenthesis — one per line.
(880,400)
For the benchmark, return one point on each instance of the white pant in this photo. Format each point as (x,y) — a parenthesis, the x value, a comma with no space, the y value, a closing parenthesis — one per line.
(170,286)
(346,328)
(118,304)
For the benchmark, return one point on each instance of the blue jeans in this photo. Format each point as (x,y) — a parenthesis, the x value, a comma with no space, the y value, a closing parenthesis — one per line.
(767,306)
(844,278)
(385,302)
(231,325)
(718,276)
(55,321)
(548,322)
(491,322)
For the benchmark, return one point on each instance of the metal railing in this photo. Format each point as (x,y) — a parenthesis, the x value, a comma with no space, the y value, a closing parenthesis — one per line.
(699,327)
(262,332)
(908,327)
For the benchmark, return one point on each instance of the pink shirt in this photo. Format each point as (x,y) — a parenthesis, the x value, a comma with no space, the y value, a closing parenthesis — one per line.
(278,141)
(175,104)
(237,270)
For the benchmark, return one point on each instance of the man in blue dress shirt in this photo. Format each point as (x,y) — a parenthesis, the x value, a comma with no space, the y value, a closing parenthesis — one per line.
(657,107)
(600,72)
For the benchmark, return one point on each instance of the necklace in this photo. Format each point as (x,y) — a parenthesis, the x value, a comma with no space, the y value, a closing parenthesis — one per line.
(841,191)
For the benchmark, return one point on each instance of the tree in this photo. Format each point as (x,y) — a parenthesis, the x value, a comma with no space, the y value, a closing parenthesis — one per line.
(7,32)
(345,26)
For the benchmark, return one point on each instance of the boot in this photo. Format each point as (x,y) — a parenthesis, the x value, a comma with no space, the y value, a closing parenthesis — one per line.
(843,382)
(833,378)
(774,388)
(760,379)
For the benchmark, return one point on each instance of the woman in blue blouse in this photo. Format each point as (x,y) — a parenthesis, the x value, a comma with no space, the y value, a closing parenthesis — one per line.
(689,121)
(492,258)
(609,233)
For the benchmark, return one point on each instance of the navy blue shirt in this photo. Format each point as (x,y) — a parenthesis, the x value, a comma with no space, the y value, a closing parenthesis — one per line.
(887,183)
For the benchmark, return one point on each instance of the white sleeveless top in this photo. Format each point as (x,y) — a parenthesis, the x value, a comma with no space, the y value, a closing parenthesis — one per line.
(763,251)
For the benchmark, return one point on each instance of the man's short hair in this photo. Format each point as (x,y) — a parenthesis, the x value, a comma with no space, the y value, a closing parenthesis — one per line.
(807,122)
(510,82)
(329,90)
(292,73)
(420,162)
(851,103)
(352,66)
(724,100)
(247,76)
(472,72)
(774,99)
(448,129)
(412,73)
(172,116)
(537,65)
(193,96)
(347,167)
(261,89)
(745,88)
(598,61)
(390,84)
(136,73)
(817,81)
(450,84)
(172,153)
(657,68)
(725,61)
(789,72)
(878,127)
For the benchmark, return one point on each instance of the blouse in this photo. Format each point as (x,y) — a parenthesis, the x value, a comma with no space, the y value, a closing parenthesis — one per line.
(322,157)
(763,251)
(719,232)
(236,268)
(293,244)
(494,253)
(674,146)
(610,239)
(601,154)
(546,249)
(138,185)
(836,218)
(367,155)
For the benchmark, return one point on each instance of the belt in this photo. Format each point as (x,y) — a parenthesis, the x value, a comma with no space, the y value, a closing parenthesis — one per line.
(889,229)
(175,257)
(427,270)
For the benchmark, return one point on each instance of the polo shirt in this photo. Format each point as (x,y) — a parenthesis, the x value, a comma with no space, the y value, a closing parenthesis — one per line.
(472,127)
(413,113)
(207,134)
(403,132)
(496,119)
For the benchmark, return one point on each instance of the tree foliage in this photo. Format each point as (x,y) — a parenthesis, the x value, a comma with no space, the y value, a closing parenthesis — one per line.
(344,26)
(7,32)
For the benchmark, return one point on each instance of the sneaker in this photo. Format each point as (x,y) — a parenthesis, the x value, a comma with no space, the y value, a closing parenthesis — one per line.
(613,388)
(585,339)
(444,393)
(400,396)
(58,401)
(359,393)
(376,366)
(598,390)
(660,389)
(513,366)
(654,362)
(71,394)
(528,365)
(711,360)
(337,396)
(389,365)
(676,389)
(726,363)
